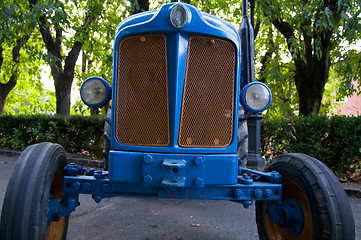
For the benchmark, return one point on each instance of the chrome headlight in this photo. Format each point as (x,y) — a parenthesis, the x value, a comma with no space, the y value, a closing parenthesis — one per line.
(95,92)
(178,16)
(256,97)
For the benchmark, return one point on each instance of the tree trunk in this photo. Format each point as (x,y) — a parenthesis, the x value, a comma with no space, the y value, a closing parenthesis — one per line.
(311,78)
(311,71)
(309,93)
(63,92)
(64,76)
(5,89)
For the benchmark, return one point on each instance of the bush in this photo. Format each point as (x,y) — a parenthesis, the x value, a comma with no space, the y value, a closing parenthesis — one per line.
(79,135)
(336,140)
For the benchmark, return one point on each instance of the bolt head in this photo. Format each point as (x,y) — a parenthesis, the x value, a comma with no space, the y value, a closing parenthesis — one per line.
(75,186)
(148,179)
(198,182)
(106,188)
(258,193)
(268,193)
(148,159)
(198,161)
(86,187)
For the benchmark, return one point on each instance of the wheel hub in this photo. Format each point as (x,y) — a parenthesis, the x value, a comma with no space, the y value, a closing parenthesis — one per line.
(287,214)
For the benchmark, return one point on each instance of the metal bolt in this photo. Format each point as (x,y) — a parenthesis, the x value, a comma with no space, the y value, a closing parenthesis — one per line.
(97,199)
(86,187)
(198,182)
(148,159)
(268,193)
(106,188)
(239,193)
(75,186)
(142,39)
(258,193)
(246,204)
(148,179)
(198,161)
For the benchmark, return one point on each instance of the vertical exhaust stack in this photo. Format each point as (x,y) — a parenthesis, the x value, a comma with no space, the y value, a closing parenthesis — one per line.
(247,47)
(254,158)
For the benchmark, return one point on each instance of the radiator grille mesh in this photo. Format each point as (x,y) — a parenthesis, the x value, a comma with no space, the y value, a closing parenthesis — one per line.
(208,95)
(142,92)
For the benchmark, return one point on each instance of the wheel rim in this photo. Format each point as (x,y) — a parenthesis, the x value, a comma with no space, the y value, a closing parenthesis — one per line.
(291,190)
(56,229)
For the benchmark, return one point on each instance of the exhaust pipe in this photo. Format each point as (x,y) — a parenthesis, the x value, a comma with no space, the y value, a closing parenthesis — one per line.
(247,47)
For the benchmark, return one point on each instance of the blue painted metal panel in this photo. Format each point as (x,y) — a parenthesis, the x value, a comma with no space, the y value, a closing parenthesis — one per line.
(198,24)
(219,171)
(103,188)
(160,169)
(126,167)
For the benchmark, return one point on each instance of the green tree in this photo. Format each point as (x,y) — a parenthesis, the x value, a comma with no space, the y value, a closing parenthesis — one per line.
(86,27)
(297,67)
(312,32)
(64,27)
(97,52)
(16,27)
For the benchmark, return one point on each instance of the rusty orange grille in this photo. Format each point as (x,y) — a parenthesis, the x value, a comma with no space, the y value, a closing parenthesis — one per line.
(208,95)
(142,92)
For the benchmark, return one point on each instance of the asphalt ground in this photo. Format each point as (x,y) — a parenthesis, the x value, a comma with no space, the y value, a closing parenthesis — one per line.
(156,219)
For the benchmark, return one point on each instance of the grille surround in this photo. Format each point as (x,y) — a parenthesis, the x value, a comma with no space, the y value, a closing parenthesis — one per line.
(207,116)
(142,108)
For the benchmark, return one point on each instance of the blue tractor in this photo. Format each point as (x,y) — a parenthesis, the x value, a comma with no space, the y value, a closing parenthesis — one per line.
(182,123)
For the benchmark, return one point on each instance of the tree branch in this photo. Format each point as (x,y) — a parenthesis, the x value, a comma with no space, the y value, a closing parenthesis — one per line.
(1,57)
(52,46)
(81,34)
(308,46)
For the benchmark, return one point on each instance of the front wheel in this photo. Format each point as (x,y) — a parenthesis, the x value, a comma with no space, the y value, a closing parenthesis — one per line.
(37,178)
(314,203)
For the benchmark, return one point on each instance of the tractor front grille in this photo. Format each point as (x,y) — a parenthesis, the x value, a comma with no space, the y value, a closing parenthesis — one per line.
(142,92)
(208,95)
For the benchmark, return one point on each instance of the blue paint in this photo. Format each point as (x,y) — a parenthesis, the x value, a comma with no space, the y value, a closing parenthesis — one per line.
(131,167)
(198,24)
(172,171)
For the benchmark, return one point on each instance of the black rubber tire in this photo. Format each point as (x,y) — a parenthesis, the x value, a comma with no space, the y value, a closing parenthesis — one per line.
(329,214)
(242,146)
(106,138)
(37,172)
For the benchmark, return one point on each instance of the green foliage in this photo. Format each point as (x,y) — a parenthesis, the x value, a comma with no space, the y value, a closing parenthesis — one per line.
(230,10)
(79,135)
(79,108)
(307,26)
(21,63)
(334,140)
(97,51)
(30,98)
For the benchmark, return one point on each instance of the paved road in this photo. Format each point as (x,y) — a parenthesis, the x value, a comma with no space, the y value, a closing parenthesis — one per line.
(156,219)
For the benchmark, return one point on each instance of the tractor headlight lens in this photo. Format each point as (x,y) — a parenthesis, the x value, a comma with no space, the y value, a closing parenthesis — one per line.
(95,92)
(256,97)
(178,16)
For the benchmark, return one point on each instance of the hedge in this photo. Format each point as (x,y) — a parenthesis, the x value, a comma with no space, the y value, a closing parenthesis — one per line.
(336,140)
(77,134)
